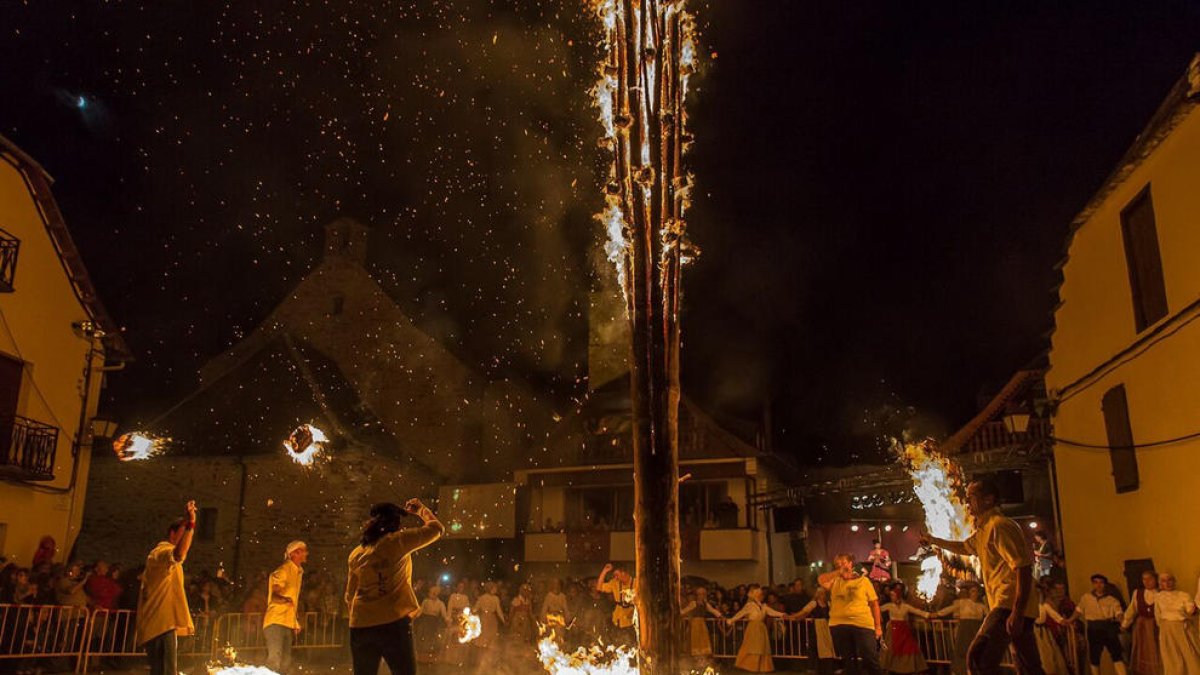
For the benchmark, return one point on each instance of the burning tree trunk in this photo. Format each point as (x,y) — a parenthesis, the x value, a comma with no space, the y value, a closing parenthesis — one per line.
(641,96)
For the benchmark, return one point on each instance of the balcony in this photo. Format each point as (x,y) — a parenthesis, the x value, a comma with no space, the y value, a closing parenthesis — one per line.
(601,546)
(28,449)
(9,247)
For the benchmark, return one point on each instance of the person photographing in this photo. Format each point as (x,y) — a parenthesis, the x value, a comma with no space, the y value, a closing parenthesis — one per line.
(379,588)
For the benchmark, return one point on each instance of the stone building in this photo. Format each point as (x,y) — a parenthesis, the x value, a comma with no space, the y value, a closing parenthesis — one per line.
(404,414)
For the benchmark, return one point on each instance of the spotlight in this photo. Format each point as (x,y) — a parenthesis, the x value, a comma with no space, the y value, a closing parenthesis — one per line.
(887,528)
(904,529)
(854,528)
(446,578)
(1033,525)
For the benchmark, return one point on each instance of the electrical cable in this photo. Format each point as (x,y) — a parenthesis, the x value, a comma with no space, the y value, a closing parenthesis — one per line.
(1134,446)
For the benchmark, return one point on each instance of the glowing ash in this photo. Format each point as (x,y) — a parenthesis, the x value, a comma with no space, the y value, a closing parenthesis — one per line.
(305,444)
(137,445)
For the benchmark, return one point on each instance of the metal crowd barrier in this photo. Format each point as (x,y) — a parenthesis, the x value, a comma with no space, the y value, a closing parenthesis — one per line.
(244,632)
(82,638)
(796,639)
(41,631)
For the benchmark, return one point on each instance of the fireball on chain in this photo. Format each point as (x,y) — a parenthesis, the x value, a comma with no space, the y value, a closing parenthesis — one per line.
(936,481)
(305,444)
(469,626)
(137,445)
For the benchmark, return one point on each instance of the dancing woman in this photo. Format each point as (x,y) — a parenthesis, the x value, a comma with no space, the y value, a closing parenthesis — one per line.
(755,652)
(903,653)
(1144,658)
(694,614)
(968,611)
(379,588)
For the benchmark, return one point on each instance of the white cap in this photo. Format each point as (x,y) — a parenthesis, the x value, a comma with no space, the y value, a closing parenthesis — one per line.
(295,545)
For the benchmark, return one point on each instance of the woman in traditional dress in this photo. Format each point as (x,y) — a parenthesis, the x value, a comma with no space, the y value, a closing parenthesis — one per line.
(755,653)
(817,609)
(520,615)
(456,652)
(903,653)
(555,603)
(1049,653)
(1177,640)
(881,562)
(429,625)
(699,643)
(1144,658)
(491,617)
(968,612)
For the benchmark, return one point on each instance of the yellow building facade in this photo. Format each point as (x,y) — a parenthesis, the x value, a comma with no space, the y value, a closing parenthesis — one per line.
(1125,360)
(50,328)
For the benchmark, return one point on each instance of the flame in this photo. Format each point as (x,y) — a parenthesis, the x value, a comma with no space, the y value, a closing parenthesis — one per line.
(632,169)
(137,445)
(936,480)
(241,670)
(599,659)
(469,626)
(305,444)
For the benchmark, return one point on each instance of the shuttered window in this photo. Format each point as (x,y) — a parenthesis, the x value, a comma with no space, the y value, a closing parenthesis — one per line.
(1144,261)
(1120,439)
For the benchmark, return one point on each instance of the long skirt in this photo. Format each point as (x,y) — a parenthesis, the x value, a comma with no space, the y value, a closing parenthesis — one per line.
(699,642)
(903,654)
(1180,648)
(1144,658)
(1051,656)
(824,639)
(963,636)
(427,634)
(755,652)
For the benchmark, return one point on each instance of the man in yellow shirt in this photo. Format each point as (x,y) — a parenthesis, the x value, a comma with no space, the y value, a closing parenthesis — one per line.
(280,625)
(379,588)
(162,611)
(1006,565)
(854,619)
(620,588)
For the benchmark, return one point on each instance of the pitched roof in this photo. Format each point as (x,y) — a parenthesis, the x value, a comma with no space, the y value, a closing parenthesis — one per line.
(38,182)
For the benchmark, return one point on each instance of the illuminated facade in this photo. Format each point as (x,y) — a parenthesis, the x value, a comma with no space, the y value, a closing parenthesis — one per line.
(50,338)
(1125,359)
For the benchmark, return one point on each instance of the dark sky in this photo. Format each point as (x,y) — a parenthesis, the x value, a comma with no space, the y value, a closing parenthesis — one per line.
(884,187)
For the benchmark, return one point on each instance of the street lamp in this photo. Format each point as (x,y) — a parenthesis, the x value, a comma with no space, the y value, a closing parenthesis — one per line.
(1016,422)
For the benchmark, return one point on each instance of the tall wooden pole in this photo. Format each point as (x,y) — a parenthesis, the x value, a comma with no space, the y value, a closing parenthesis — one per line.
(641,94)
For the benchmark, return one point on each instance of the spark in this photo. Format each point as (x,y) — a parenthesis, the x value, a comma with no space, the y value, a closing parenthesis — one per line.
(138,445)
(305,444)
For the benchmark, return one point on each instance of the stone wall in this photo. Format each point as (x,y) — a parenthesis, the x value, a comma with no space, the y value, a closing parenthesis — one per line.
(132,503)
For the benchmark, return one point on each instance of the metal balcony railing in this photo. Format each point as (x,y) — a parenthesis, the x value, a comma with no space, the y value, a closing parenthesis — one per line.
(9,247)
(28,448)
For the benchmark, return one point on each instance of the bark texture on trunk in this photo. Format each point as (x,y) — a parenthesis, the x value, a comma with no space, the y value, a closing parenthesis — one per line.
(646,70)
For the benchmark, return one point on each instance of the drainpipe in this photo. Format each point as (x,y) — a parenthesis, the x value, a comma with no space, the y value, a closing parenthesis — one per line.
(241,508)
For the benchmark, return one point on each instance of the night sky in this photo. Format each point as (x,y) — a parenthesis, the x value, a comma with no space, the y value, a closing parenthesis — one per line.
(883,188)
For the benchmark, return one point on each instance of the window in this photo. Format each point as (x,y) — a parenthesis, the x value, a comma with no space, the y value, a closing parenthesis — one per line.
(1120,439)
(206,524)
(1144,262)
